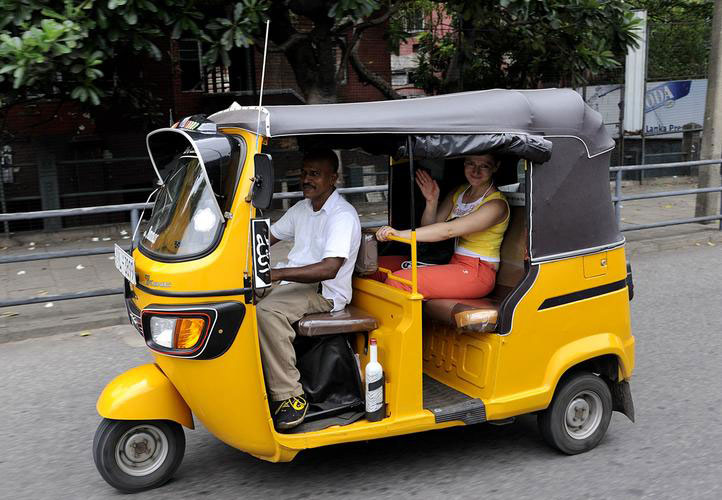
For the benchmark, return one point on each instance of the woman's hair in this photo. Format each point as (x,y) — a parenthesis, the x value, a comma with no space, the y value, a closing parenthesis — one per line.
(494,156)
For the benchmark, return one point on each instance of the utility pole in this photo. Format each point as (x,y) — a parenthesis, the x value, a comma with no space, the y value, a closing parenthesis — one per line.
(708,203)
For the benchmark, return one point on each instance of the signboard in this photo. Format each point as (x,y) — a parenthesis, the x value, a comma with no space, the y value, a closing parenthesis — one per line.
(260,235)
(634,68)
(668,106)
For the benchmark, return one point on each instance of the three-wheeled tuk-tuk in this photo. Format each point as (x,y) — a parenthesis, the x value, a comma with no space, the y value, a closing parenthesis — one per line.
(553,338)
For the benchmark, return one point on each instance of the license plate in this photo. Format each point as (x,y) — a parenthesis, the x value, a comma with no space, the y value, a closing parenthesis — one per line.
(125,264)
(261,229)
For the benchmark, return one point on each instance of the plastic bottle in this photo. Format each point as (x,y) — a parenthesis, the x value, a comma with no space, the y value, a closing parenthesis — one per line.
(374,384)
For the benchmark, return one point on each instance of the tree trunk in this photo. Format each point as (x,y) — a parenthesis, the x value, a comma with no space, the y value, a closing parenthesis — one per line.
(312,57)
(708,203)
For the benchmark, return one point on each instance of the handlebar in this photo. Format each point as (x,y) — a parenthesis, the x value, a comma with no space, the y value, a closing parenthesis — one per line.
(414,283)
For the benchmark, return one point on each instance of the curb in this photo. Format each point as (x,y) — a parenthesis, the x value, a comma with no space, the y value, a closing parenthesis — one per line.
(110,317)
(705,237)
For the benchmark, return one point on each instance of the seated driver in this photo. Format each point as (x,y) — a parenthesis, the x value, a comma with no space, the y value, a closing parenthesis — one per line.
(326,234)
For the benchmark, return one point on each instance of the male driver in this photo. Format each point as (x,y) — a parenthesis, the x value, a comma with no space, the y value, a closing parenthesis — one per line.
(326,235)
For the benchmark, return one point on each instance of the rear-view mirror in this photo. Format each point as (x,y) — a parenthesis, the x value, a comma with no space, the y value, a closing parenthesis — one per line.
(262,181)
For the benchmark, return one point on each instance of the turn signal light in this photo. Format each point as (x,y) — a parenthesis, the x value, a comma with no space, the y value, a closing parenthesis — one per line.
(177,331)
(188,332)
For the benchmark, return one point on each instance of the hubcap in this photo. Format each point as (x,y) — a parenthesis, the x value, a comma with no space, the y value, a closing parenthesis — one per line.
(583,415)
(141,450)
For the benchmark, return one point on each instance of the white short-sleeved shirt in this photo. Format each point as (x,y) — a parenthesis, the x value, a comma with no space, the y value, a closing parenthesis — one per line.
(333,231)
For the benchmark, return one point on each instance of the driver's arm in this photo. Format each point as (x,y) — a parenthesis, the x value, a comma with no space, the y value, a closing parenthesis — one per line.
(312,273)
(284,227)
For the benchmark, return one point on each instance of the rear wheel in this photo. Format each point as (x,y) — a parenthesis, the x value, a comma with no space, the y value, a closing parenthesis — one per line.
(136,455)
(579,414)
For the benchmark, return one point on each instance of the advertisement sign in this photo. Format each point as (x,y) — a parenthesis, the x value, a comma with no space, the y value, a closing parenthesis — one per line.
(668,106)
(260,234)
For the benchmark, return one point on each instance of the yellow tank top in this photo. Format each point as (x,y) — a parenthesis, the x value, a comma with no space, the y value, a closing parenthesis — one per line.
(483,244)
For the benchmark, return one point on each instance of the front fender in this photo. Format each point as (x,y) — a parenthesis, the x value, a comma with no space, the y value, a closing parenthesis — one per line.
(143,393)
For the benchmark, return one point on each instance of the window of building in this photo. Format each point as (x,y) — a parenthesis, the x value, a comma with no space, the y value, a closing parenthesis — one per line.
(214,79)
(399,78)
(218,80)
(415,20)
(191,67)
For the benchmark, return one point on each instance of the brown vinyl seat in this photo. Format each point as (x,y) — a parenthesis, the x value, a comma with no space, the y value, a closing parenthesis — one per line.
(348,320)
(481,315)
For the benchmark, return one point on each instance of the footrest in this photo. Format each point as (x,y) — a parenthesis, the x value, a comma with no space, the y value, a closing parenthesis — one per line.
(448,404)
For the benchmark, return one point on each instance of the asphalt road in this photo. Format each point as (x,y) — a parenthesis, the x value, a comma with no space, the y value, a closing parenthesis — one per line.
(49,387)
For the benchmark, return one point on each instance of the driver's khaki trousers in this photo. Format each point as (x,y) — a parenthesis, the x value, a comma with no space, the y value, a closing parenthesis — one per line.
(276,312)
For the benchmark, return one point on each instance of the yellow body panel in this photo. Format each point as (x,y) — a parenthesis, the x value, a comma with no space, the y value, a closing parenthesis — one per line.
(518,373)
(143,393)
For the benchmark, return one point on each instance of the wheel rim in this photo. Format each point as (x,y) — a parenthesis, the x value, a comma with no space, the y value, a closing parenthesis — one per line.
(141,450)
(583,415)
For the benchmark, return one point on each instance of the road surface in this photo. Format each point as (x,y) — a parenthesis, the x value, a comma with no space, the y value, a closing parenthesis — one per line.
(50,385)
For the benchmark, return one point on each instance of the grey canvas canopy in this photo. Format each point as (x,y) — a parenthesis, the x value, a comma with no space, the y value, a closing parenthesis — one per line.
(517,122)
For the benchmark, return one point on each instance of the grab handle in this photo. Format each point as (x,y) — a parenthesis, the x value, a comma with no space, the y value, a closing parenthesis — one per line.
(414,283)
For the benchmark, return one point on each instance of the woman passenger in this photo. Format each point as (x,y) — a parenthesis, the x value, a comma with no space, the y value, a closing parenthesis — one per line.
(476,214)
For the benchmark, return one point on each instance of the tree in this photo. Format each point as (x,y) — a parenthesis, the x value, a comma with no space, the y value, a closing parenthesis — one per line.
(679,38)
(312,53)
(522,44)
(72,50)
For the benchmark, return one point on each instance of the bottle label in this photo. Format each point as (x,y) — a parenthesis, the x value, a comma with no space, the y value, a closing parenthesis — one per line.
(374,394)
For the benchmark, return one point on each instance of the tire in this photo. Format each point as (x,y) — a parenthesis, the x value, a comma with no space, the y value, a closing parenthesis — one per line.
(162,445)
(579,414)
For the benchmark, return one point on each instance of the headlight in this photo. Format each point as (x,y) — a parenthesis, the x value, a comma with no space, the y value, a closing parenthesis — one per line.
(176,332)
(161,330)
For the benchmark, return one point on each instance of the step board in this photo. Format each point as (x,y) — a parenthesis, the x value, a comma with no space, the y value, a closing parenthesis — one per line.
(448,404)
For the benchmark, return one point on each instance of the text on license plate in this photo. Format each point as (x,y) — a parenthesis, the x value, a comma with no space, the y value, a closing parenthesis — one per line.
(125,264)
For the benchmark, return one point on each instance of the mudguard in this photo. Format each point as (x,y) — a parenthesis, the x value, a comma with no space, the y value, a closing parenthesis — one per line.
(143,393)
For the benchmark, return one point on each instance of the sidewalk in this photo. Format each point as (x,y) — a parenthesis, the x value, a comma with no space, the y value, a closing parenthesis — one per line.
(77,274)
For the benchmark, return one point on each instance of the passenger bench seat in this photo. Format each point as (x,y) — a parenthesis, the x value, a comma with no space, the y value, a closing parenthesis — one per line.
(479,315)
(482,315)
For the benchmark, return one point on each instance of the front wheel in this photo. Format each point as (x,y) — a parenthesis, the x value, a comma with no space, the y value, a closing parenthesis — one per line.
(136,455)
(578,415)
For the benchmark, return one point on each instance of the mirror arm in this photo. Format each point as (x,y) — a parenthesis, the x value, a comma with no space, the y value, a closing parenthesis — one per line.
(249,196)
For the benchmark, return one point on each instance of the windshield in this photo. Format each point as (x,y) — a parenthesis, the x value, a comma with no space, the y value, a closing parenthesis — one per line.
(186,218)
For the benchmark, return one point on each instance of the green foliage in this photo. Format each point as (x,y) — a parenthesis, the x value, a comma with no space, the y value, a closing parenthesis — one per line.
(397,29)
(353,9)
(74,48)
(67,48)
(524,44)
(679,38)
(221,35)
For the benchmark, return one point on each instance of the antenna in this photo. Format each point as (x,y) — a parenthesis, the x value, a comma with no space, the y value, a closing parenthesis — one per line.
(258,136)
(263,76)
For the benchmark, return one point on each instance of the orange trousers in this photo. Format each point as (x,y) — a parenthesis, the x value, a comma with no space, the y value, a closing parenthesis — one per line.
(462,278)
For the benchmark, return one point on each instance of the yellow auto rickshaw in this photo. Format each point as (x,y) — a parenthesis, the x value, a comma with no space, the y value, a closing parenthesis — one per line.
(552,339)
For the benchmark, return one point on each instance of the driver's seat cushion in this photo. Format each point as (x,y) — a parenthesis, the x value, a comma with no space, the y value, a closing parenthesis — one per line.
(348,320)
(479,315)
